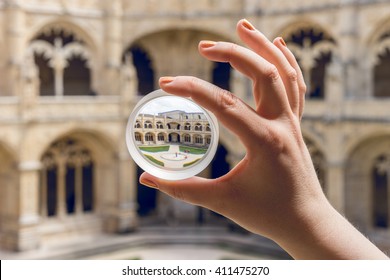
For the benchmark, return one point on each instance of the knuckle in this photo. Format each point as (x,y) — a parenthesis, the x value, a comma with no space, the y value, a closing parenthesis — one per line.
(226,100)
(302,88)
(232,50)
(272,73)
(192,83)
(292,75)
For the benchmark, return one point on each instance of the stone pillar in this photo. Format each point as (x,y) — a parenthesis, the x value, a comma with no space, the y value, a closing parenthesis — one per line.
(126,219)
(334,87)
(335,174)
(15,32)
(367,79)
(348,29)
(20,227)
(122,207)
(113,46)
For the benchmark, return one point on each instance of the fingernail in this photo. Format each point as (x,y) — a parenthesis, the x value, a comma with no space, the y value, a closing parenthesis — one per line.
(207,44)
(166,80)
(149,184)
(282,41)
(248,25)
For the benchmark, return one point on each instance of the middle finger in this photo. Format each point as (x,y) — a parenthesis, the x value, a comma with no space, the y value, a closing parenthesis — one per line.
(265,48)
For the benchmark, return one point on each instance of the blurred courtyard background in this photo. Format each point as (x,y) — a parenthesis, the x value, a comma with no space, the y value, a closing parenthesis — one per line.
(71,72)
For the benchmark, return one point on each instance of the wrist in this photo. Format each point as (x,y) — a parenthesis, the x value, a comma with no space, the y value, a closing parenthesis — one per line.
(322,233)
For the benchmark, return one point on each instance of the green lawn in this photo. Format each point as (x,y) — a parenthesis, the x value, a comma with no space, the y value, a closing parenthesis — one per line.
(191,163)
(155,149)
(192,150)
(152,159)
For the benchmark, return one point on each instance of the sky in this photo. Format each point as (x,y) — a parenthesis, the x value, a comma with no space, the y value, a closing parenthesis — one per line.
(169,103)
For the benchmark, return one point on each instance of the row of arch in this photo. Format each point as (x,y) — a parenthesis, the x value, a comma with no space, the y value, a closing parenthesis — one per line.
(159,125)
(70,184)
(66,61)
(161,138)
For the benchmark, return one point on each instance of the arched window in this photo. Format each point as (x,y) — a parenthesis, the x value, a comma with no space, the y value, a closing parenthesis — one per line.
(138,137)
(381,192)
(148,125)
(63,62)
(160,137)
(145,73)
(208,140)
(67,183)
(187,126)
(149,137)
(313,49)
(187,138)
(137,124)
(198,139)
(198,127)
(159,125)
(208,127)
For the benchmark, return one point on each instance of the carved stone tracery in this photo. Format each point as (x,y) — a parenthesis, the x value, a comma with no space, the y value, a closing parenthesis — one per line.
(309,46)
(60,158)
(59,54)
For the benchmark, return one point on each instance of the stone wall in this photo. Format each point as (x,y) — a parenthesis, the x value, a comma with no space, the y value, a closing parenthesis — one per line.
(349,125)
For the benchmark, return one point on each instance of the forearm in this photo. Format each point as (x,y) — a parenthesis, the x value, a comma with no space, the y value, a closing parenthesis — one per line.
(328,235)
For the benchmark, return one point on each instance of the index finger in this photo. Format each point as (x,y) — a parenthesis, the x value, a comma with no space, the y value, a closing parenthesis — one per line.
(231,111)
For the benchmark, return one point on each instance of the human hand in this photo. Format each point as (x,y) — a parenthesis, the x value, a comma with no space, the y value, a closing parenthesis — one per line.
(274,190)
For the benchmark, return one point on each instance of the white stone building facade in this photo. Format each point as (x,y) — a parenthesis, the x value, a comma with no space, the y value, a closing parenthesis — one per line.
(192,129)
(71,72)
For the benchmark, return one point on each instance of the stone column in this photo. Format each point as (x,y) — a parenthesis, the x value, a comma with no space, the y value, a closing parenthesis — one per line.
(348,40)
(335,88)
(335,173)
(61,196)
(15,31)
(20,228)
(113,46)
(126,219)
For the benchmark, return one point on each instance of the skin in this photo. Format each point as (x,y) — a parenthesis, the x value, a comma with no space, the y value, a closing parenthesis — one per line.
(274,190)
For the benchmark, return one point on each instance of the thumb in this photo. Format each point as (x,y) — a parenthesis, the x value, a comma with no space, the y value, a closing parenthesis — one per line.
(195,190)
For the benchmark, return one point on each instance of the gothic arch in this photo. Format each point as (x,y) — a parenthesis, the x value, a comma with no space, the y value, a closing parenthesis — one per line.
(66,58)
(78,165)
(357,139)
(359,180)
(69,26)
(101,146)
(173,51)
(313,47)
(378,60)
(36,141)
(303,23)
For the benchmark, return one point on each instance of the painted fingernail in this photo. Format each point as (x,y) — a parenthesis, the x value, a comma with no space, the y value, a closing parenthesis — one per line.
(166,80)
(282,41)
(149,183)
(248,25)
(207,44)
